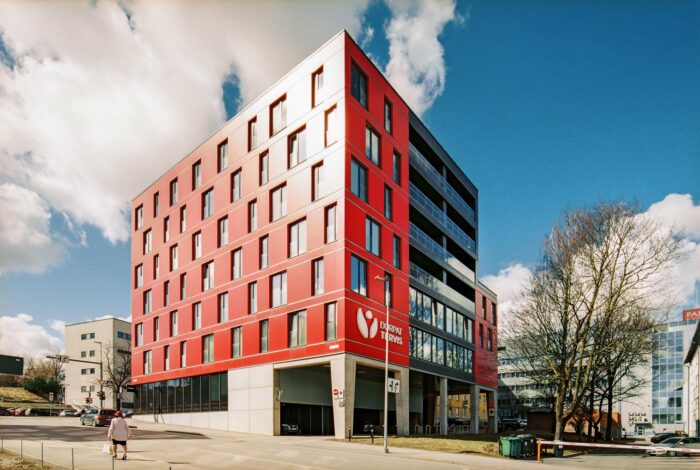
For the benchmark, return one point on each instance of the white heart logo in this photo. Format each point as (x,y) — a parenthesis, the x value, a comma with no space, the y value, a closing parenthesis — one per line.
(367,331)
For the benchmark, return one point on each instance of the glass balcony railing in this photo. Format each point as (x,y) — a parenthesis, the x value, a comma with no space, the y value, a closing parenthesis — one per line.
(426,204)
(429,169)
(441,252)
(430,281)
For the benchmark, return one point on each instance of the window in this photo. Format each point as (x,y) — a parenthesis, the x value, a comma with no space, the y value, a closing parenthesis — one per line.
(207,349)
(166,229)
(222,155)
(147,302)
(358,184)
(156,204)
(397,252)
(156,266)
(173,258)
(197,315)
(166,357)
(147,241)
(388,117)
(236,263)
(296,148)
(358,85)
(138,276)
(388,290)
(263,252)
(278,200)
(483,307)
(331,234)
(494,317)
(331,321)
(183,219)
(92,353)
(236,342)
(252,134)
(317,276)
(139,217)
(489,340)
(173,192)
(183,286)
(297,238)
(388,203)
(85,336)
(222,314)
(264,329)
(252,215)
(183,353)
(297,329)
(156,329)
(208,276)
(83,388)
(139,334)
(208,203)
(147,362)
(235,185)
(91,370)
(372,145)
(331,126)
(197,246)
(278,289)
(359,275)
(316,86)
(223,232)
(372,236)
(317,181)
(173,323)
(481,336)
(264,168)
(252,297)
(196,175)
(278,115)
(396,164)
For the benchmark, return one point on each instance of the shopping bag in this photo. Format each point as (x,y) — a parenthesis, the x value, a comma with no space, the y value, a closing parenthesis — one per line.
(107,449)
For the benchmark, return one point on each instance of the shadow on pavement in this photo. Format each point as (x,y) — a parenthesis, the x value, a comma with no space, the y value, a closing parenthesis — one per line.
(86,434)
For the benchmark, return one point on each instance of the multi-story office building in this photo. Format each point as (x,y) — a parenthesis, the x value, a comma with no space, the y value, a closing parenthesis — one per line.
(264,264)
(107,341)
(691,384)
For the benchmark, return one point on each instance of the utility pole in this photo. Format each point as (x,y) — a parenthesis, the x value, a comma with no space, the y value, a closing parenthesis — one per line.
(102,381)
(65,359)
(386,361)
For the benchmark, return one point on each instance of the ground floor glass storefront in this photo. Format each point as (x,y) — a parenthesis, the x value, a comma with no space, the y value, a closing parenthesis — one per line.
(188,395)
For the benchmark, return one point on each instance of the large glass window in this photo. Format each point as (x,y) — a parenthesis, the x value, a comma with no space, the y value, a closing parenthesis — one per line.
(372,236)
(147,241)
(359,275)
(139,334)
(331,321)
(297,238)
(278,289)
(278,201)
(147,362)
(297,329)
(183,219)
(296,147)
(397,168)
(388,202)
(183,286)
(358,184)
(317,272)
(139,217)
(397,252)
(372,150)
(358,85)
(183,353)
(236,342)
(207,349)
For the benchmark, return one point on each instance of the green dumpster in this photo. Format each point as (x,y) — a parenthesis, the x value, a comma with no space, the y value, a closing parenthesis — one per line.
(510,446)
(504,446)
(529,444)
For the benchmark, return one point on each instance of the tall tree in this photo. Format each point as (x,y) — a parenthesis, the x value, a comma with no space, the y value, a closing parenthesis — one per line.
(117,369)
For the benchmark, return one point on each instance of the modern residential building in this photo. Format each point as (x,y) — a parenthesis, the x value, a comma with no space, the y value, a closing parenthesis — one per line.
(691,384)
(265,262)
(107,341)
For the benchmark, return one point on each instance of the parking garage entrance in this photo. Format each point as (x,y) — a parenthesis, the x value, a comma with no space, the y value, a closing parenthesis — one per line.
(305,400)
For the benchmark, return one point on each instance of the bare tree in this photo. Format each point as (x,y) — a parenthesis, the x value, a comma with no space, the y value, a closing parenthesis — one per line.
(117,369)
(597,265)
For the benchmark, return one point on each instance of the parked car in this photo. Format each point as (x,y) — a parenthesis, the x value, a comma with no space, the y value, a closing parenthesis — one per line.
(674,446)
(514,424)
(68,413)
(4,412)
(38,412)
(368,428)
(662,436)
(128,413)
(290,428)
(97,417)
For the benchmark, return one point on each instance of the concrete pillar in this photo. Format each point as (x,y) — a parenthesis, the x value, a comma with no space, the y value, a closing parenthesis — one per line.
(443,405)
(343,379)
(403,403)
(474,408)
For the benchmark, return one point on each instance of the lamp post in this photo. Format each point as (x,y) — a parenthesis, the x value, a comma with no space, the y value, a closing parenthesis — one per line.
(386,360)
(102,402)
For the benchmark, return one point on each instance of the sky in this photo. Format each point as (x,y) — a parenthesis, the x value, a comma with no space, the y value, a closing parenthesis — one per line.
(546,105)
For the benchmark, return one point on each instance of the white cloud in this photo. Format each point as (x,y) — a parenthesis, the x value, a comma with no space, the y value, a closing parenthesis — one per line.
(59,326)
(26,243)
(508,284)
(416,65)
(679,212)
(19,336)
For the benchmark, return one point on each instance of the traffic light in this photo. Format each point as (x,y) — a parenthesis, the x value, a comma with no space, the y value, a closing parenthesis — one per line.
(88,400)
(101,395)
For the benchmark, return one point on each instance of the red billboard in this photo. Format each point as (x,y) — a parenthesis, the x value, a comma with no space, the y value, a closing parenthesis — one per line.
(691,314)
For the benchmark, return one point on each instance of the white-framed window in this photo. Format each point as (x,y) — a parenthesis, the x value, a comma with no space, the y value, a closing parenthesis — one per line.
(147,362)
(278,115)
(317,181)
(139,334)
(331,321)
(331,233)
(264,252)
(372,236)
(173,258)
(297,238)
(196,175)
(183,353)
(236,341)
(278,200)
(139,217)
(147,302)
(223,232)
(316,87)
(297,329)
(235,185)
(252,216)
(166,229)
(331,124)
(156,204)
(252,134)
(166,357)
(237,263)
(183,219)
(317,274)
(223,155)
(156,267)
(173,192)
(183,286)
(223,307)
(296,147)
(207,349)
(156,329)
(138,275)
(197,315)
(264,168)
(147,241)
(197,245)
(208,276)
(278,289)
(253,297)
(173,323)
(166,293)
(264,330)
(208,203)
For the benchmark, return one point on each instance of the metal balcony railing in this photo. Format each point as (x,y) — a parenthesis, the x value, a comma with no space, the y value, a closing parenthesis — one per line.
(456,198)
(440,287)
(426,204)
(441,252)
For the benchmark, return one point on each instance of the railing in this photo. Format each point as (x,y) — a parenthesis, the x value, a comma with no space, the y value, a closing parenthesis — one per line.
(437,285)
(425,165)
(441,252)
(428,205)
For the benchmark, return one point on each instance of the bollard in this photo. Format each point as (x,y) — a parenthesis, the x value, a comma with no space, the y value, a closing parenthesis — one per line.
(21,450)
(371,433)
(72,460)
(350,434)
(42,455)
(112,459)
(2,442)
(539,450)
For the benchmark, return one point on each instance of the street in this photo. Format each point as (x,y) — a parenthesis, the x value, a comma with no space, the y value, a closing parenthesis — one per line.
(158,446)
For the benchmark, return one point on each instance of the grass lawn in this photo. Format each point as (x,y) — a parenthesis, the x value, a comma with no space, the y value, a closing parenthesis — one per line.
(10,461)
(486,444)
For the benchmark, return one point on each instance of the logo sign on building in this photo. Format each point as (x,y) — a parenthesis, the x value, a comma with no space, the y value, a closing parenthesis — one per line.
(394,385)
(369,326)
(691,314)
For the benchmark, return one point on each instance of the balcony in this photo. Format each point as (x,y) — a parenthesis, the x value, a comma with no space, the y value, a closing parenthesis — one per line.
(440,252)
(436,177)
(423,202)
(430,281)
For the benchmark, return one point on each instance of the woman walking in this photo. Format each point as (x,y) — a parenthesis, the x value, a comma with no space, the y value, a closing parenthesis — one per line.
(119,432)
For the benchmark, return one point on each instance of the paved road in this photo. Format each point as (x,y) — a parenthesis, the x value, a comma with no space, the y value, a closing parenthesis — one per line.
(157,446)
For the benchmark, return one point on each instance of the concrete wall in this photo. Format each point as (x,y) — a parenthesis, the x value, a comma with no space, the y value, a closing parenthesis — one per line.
(210,420)
(252,405)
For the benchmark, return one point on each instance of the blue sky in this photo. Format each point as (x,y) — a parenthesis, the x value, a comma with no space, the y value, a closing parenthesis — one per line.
(546,106)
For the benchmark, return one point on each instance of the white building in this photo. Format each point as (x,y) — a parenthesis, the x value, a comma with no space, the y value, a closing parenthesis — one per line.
(94,342)
(692,385)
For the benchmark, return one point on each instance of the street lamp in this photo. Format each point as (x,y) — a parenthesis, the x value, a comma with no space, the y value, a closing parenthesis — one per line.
(102,401)
(386,360)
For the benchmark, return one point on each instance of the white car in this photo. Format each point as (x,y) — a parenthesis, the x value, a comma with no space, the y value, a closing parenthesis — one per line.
(674,446)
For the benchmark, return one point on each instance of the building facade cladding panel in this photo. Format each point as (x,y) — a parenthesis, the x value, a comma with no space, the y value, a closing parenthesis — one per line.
(356,314)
